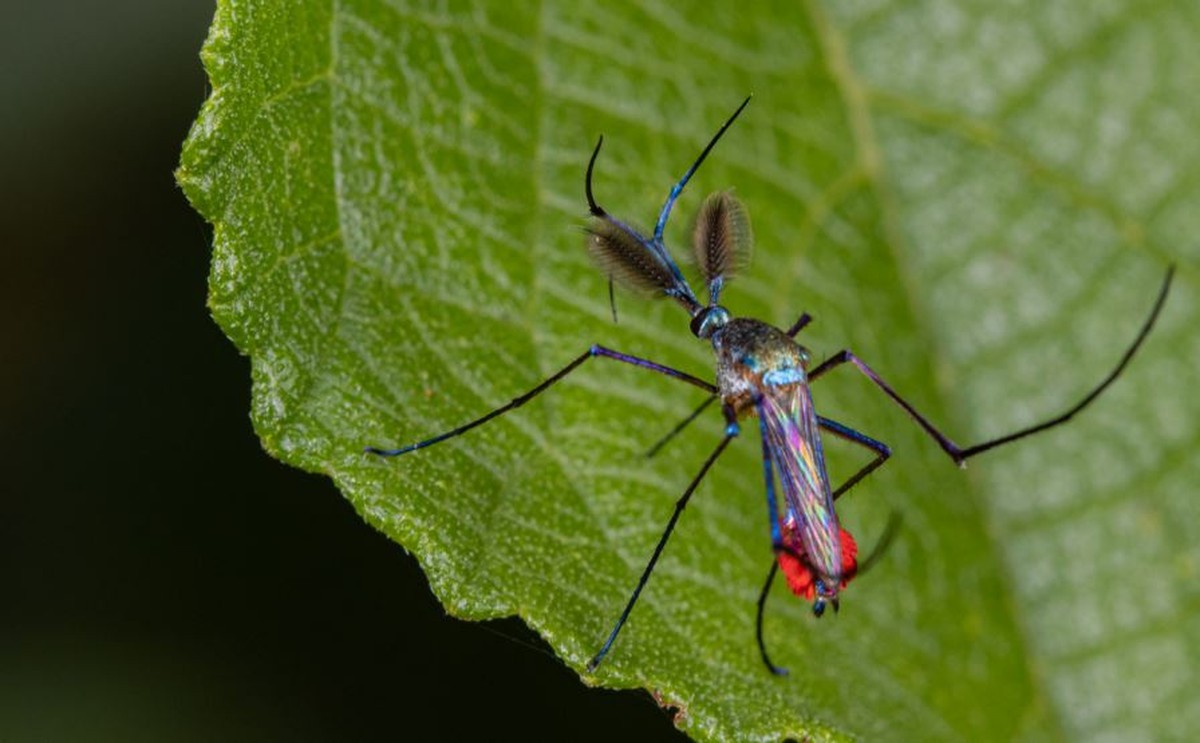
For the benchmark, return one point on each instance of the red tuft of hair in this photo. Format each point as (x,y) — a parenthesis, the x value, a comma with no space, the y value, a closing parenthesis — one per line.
(800,578)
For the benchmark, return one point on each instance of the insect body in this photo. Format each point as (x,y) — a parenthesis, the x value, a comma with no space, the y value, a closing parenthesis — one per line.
(760,372)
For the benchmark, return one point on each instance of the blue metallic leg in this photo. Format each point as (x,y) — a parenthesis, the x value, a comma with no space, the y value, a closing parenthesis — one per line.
(731,431)
(777,545)
(882,451)
(758,623)
(517,402)
(769,477)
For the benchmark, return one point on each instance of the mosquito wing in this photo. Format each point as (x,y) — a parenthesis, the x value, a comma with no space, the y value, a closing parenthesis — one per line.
(794,442)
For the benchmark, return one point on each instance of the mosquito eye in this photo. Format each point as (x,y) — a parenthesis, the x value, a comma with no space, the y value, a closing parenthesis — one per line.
(706,322)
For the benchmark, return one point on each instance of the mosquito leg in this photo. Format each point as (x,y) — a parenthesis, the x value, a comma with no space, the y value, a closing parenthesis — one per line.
(885,541)
(882,451)
(680,426)
(769,477)
(517,402)
(800,324)
(961,454)
(758,623)
(776,543)
(731,431)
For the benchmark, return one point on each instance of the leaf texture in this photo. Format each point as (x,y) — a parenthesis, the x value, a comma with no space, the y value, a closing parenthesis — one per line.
(979,199)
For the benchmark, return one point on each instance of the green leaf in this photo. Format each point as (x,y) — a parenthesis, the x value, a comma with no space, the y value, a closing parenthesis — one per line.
(979,200)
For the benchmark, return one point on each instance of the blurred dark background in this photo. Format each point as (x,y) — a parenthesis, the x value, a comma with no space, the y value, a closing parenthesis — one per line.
(162,578)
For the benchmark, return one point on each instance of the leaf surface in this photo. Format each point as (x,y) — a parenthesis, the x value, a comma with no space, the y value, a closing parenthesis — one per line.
(978,200)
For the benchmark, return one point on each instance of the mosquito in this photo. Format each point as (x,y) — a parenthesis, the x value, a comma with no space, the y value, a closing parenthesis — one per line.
(763,373)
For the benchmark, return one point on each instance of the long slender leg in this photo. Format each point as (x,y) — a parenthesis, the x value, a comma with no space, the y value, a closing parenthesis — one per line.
(731,430)
(758,623)
(517,402)
(776,544)
(881,546)
(680,426)
(961,454)
(882,451)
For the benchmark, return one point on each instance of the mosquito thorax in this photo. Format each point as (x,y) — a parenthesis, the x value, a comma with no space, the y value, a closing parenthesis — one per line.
(708,320)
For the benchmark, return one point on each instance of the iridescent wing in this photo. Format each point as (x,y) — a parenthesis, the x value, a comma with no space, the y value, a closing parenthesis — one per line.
(793,439)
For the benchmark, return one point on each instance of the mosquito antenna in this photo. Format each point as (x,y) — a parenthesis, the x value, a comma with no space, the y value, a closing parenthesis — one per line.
(721,240)
(629,257)
(593,207)
(678,188)
(597,211)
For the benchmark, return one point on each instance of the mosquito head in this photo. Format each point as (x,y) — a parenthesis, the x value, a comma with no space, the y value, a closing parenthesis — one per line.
(708,320)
